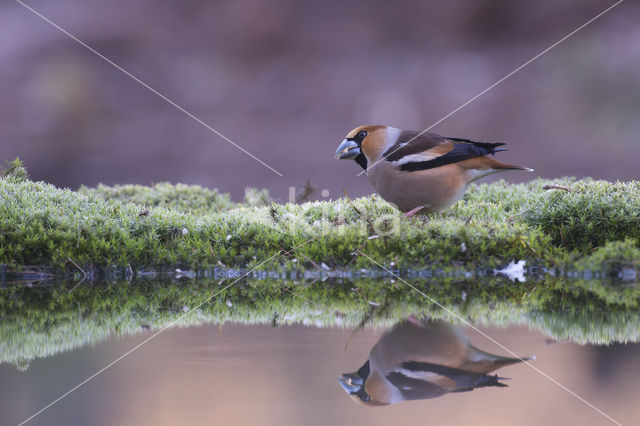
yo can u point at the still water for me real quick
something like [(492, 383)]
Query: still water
[(386, 369)]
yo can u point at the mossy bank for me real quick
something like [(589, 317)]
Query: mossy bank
[(578, 224)]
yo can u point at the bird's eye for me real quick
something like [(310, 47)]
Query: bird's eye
[(361, 135)]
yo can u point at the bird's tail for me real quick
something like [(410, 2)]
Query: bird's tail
[(499, 165), (484, 362), (488, 380)]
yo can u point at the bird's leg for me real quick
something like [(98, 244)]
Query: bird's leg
[(413, 211), (415, 321)]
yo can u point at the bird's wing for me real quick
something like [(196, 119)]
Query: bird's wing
[(412, 388), (411, 143), (464, 380), (414, 151)]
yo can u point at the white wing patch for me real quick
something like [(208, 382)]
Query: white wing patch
[(415, 158), (420, 375)]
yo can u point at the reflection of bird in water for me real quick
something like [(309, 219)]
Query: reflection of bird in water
[(420, 360)]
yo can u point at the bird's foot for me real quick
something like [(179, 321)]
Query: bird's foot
[(413, 211), (415, 321)]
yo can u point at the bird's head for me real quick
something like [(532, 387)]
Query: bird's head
[(354, 385), (362, 144)]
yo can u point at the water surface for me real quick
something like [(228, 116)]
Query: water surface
[(274, 370)]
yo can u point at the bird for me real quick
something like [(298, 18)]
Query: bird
[(421, 360), (420, 171)]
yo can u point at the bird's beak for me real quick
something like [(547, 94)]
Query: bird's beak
[(348, 150), (351, 382)]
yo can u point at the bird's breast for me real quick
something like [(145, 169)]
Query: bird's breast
[(435, 188)]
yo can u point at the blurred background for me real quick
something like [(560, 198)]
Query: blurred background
[(287, 79)]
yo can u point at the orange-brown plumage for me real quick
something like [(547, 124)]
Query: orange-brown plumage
[(413, 170)]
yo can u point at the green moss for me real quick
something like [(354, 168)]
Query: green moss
[(193, 199), (40, 321), (185, 198), (14, 170), (614, 256), (178, 225), (591, 213), (616, 267)]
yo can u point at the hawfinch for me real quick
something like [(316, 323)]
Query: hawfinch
[(421, 360), (419, 171)]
